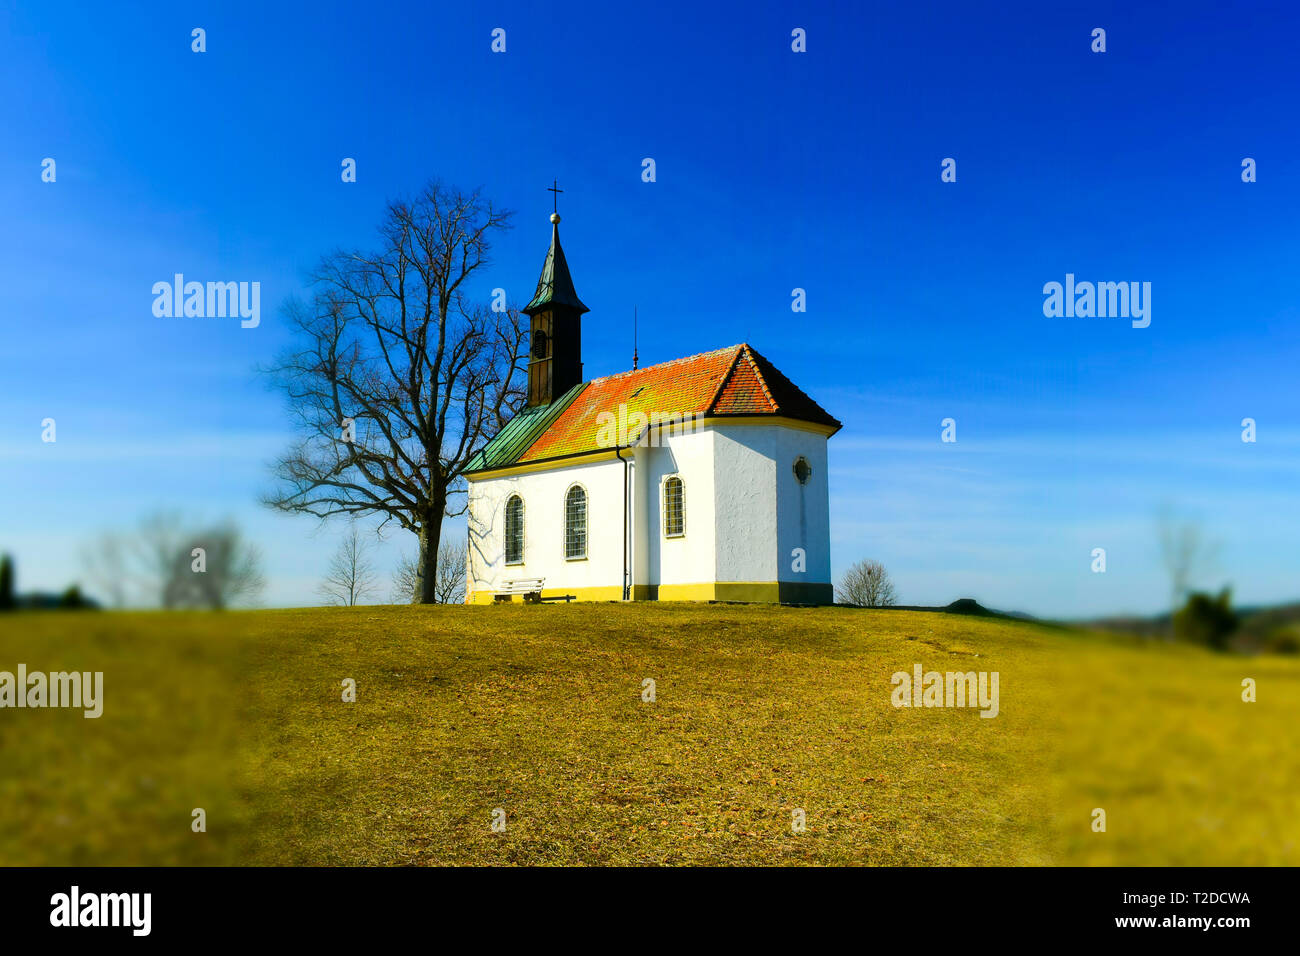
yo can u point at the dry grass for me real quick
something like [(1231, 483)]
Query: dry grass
[(538, 711)]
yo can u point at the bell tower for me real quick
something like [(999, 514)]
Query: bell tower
[(555, 341)]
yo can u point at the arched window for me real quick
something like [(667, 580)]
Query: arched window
[(575, 523), (515, 530), (674, 508)]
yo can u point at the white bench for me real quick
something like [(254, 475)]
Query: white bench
[(530, 588)]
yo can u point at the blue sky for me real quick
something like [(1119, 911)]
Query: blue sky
[(775, 170)]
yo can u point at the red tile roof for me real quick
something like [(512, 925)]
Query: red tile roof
[(726, 382), (744, 392)]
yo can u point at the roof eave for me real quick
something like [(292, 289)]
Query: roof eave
[(776, 418), (514, 465)]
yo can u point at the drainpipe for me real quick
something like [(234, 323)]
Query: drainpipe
[(618, 453)]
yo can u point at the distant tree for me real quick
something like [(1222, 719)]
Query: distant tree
[(228, 571), (351, 574), (866, 584), (449, 584), (155, 564), (399, 376), (73, 599), (156, 555), (404, 581), (1207, 620), (7, 600), (449, 587), (1185, 552), (105, 561), (137, 566)]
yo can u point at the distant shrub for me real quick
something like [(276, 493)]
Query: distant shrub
[(73, 599), (1286, 641), (867, 584), (1207, 620), (6, 582)]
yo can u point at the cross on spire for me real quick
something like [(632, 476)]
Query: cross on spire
[(554, 188)]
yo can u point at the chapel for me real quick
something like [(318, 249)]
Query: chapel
[(699, 479)]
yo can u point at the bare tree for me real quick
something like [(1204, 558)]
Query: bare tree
[(401, 378), (866, 584), (156, 552), (449, 584), (1185, 553), (165, 563), (351, 574), (105, 561), (405, 581), (214, 568), (138, 566)]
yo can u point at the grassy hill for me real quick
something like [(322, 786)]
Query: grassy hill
[(538, 711)]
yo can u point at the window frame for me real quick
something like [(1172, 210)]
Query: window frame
[(586, 523), (663, 504), (514, 496)]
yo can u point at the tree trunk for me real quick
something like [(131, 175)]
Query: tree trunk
[(426, 570)]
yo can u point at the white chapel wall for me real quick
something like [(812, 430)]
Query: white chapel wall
[(803, 511), (745, 512), (744, 471), (763, 511), (543, 495), (687, 559)]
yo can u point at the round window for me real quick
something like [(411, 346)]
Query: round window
[(802, 470)]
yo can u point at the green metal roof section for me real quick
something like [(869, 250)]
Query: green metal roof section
[(555, 286), (521, 431)]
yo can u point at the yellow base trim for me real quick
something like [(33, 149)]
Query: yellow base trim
[(763, 592), (579, 594), (753, 592)]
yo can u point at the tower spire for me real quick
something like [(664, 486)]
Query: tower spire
[(555, 284), (555, 352)]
